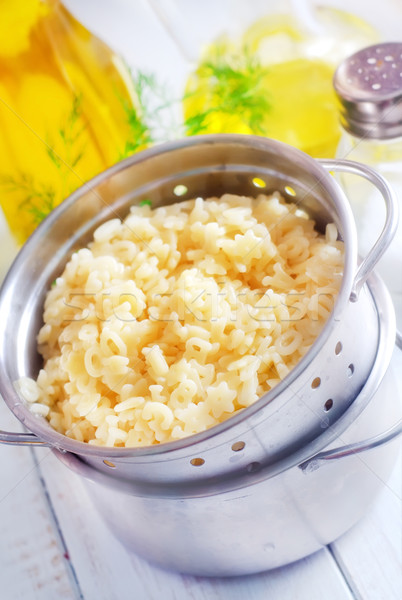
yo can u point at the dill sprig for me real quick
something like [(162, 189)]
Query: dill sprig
[(154, 118), (65, 149), (140, 135), (39, 200), (235, 86), (69, 134)]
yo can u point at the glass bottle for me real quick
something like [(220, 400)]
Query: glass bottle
[(67, 109), (266, 68), (369, 88)]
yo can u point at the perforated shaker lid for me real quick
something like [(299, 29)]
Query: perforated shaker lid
[(369, 87)]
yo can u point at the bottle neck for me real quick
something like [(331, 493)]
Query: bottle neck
[(356, 139), (378, 131)]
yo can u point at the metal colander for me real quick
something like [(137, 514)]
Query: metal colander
[(313, 395)]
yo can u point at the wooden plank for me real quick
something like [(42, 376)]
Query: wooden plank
[(370, 555), (106, 571), (32, 562), (313, 578), (32, 557)]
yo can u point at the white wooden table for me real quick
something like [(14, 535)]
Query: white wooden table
[(53, 544)]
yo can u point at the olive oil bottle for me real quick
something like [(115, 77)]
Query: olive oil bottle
[(67, 109)]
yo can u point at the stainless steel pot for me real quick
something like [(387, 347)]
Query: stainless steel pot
[(272, 515), (313, 396), (246, 495)]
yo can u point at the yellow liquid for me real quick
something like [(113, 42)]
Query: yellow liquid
[(64, 105), (270, 83)]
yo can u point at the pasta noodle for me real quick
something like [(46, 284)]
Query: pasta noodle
[(174, 319)]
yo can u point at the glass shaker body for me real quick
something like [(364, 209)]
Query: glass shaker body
[(385, 156), (369, 89)]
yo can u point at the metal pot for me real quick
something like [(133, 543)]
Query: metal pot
[(246, 495), (295, 412), (270, 515)]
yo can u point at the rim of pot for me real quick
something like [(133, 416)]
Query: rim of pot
[(42, 428)]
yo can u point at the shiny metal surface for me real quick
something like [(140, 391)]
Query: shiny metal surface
[(273, 516), (369, 88), (294, 412), (355, 448), (21, 439), (391, 216), (278, 520)]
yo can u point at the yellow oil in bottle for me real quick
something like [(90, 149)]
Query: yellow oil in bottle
[(276, 81), (65, 109)]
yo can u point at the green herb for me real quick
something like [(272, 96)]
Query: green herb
[(137, 116), (38, 199), (153, 119), (235, 84), (65, 151), (69, 135), (140, 136), (54, 283), (145, 202)]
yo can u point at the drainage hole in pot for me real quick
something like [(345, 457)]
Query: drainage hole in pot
[(290, 191), (109, 464), (351, 370), (253, 467), (180, 190), (338, 348), (197, 462), (328, 405), (260, 183), (316, 383), (237, 446)]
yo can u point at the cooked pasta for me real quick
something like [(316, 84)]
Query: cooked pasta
[(176, 318)]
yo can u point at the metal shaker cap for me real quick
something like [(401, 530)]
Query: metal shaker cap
[(369, 87)]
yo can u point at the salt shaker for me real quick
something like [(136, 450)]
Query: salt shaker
[(369, 89)]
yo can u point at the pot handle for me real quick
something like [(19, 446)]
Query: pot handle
[(317, 461), (391, 220), (22, 439)]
